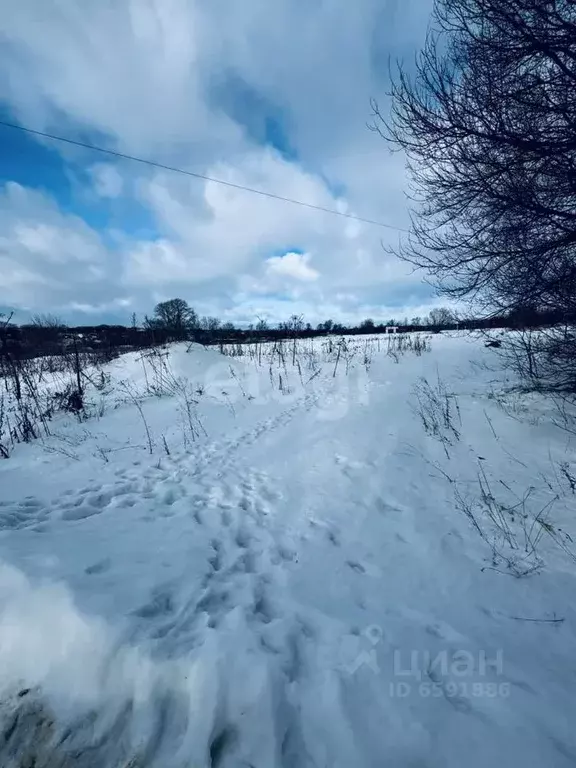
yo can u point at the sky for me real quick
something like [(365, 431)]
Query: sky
[(270, 94)]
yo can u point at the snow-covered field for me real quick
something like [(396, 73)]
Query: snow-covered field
[(324, 556)]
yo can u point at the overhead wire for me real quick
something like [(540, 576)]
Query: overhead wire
[(196, 175)]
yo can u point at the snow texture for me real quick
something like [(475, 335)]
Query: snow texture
[(269, 563)]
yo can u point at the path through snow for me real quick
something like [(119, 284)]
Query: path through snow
[(277, 596)]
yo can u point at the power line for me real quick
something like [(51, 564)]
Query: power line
[(202, 176)]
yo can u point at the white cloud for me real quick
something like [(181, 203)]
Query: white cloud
[(107, 181), (133, 70), (216, 232), (147, 77), (47, 257), (293, 265)]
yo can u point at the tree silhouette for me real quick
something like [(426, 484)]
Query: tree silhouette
[(176, 317), (488, 124)]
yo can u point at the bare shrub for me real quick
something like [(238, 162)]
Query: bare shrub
[(513, 527), (438, 411), (544, 358), (4, 429), (399, 344), (133, 397), (160, 378), (187, 406)]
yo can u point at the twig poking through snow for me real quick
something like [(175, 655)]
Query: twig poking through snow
[(540, 621)]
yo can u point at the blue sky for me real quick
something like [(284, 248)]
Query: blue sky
[(273, 96)]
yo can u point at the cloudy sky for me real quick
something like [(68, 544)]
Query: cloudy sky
[(271, 94)]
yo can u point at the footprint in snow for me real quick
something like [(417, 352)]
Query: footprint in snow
[(245, 563), (444, 631), (80, 513), (270, 494), (215, 560), (126, 502), (386, 508), (333, 538), (226, 517), (30, 503), (262, 607), (284, 553), (99, 500), (100, 567), (242, 538), (161, 604)]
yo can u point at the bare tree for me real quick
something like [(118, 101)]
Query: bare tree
[(175, 316), (442, 316), (47, 321), (210, 323), (326, 326), (296, 323), (488, 124)]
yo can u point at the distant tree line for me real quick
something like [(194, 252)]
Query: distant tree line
[(175, 320)]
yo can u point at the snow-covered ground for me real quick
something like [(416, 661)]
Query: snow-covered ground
[(306, 557)]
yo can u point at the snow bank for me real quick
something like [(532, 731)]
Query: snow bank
[(107, 702)]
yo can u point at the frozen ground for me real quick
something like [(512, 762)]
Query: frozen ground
[(270, 562)]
